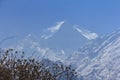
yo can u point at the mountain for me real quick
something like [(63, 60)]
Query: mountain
[(66, 37), (95, 58), (33, 49), (56, 43), (101, 61)]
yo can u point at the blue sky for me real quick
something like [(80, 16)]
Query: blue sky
[(21, 17)]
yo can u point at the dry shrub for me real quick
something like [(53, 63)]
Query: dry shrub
[(13, 67)]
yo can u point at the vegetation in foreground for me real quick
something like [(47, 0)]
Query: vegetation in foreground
[(13, 66)]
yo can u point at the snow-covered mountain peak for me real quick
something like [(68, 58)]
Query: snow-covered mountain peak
[(51, 31), (66, 37)]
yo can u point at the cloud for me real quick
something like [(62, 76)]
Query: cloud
[(87, 34), (52, 30)]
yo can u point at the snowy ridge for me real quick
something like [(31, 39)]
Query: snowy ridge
[(106, 65), (87, 34), (33, 48), (52, 30)]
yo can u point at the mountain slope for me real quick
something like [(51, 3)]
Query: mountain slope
[(105, 65)]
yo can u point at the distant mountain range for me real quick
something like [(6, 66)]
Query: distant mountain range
[(97, 59), (59, 40)]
